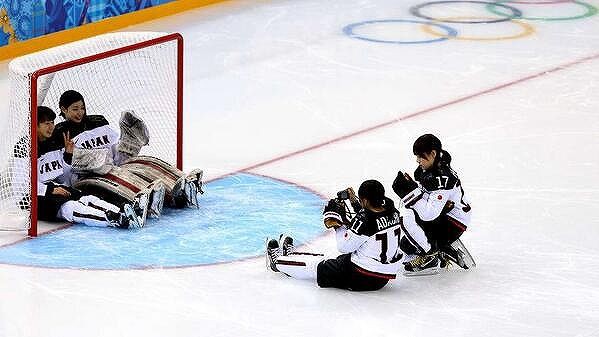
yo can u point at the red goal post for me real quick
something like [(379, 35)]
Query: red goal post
[(139, 71)]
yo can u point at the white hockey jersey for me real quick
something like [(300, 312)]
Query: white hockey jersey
[(439, 190), (373, 241), (93, 132), (52, 167)]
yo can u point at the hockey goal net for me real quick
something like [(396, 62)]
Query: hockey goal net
[(139, 71)]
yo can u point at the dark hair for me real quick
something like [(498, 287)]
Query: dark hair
[(373, 191), (69, 97), (426, 143), (45, 114)]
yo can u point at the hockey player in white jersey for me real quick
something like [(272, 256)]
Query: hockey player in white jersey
[(57, 200), (92, 135), (437, 202), (369, 243)]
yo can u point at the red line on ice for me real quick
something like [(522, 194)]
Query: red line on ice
[(416, 113)]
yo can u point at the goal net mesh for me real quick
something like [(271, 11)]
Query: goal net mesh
[(114, 72)]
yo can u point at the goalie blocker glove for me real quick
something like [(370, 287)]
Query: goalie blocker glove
[(406, 188)]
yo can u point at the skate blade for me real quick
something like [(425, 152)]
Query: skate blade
[(266, 258), (426, 272)]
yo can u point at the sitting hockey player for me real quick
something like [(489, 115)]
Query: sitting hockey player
[(100, 152), (438, 205), (56, 200), (369, 243)]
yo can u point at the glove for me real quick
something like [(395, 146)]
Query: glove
[(334, 214), (403, 184)]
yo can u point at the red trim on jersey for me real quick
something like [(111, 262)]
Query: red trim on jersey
[(305, 253), (120, 181), (457, 224), (290, 263), (374, 274)]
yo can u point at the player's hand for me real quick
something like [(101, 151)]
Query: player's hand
[(63, 192), (403, 184), (69, 146), (332, 223)]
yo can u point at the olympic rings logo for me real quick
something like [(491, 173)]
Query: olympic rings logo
[(504, 11)]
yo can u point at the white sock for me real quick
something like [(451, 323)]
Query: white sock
[(299, 265)]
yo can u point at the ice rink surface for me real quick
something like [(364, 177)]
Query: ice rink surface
[(276, 88)]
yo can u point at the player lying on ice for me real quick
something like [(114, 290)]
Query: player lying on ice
[(436, 202), (369, 242), (108, 164), (57, 200)]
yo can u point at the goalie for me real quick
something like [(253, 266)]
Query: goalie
[(109, 165), (57, 200)]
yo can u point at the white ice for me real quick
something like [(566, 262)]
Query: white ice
[(268, 79)]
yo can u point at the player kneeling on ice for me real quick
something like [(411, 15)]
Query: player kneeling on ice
[(109, 164), (436, 202), (57, 200), (369, 242)]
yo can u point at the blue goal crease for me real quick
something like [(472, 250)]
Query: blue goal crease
[(236, 214)]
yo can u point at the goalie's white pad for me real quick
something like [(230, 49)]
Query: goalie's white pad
[(181, 190), (134, 134), (116, 186), (98, 161)]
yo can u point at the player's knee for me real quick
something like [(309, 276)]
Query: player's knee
[(87, 199), (67, 209)]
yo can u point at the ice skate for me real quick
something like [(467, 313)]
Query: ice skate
[(457, 253), (272, 254), (286, 244), (423, 265), (193, 186), (137, 212), (156, 202), (118, 220)]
